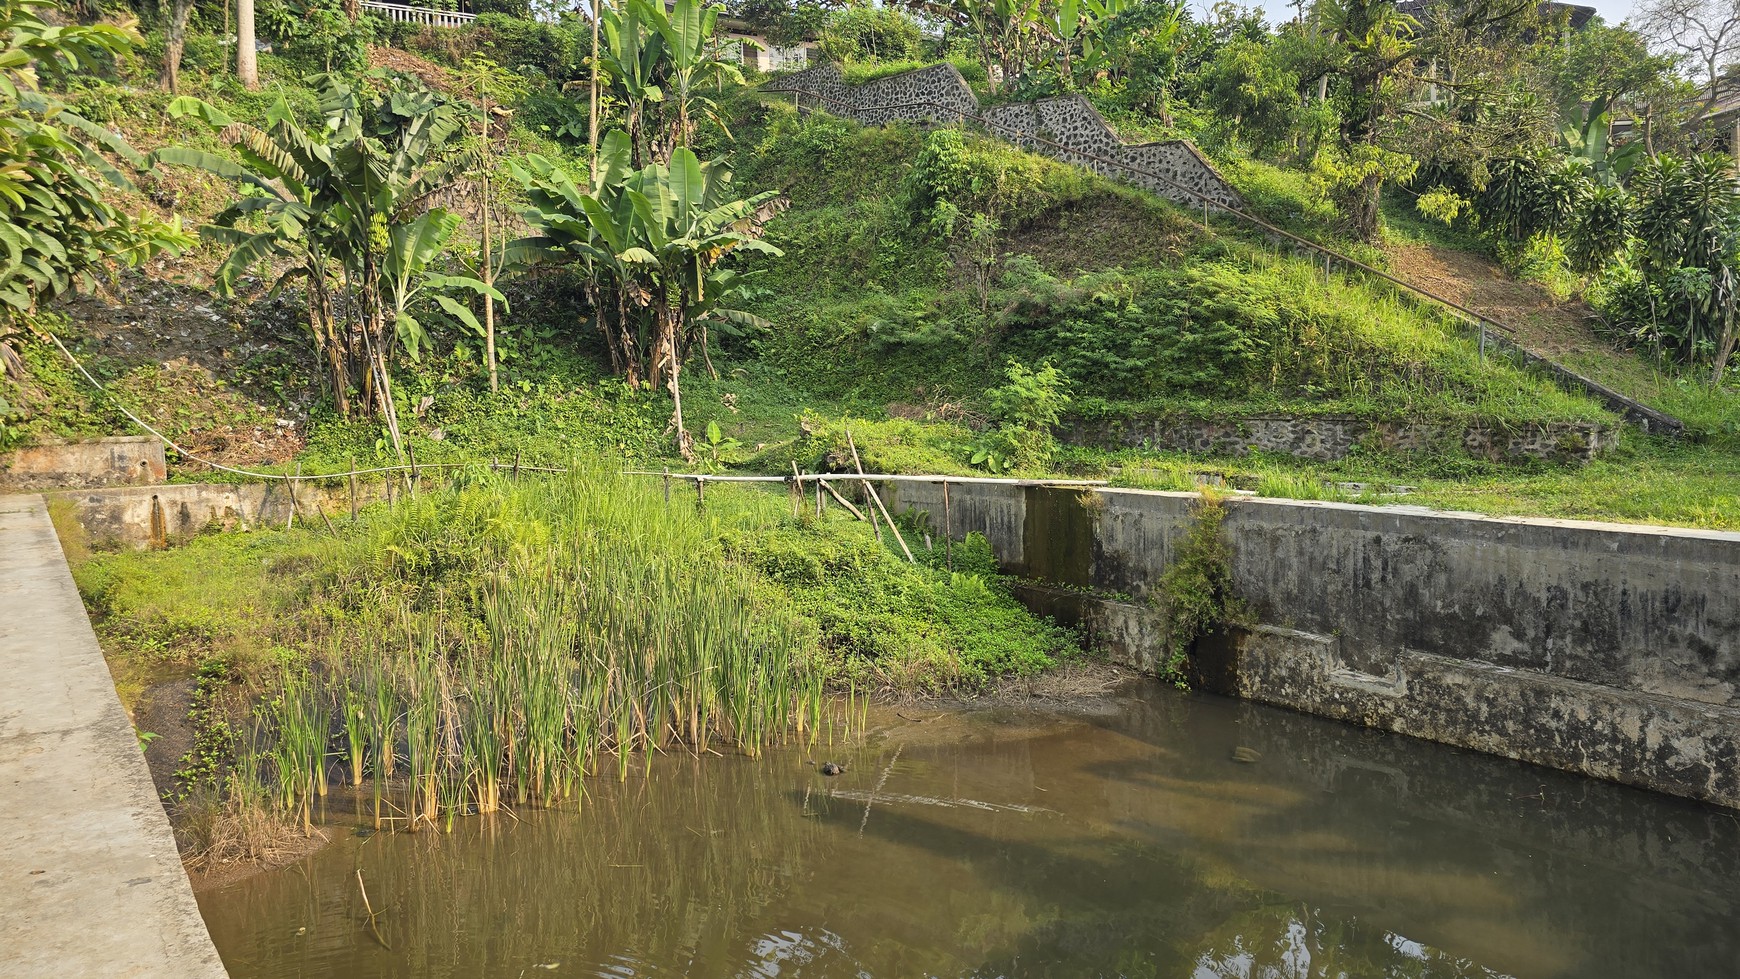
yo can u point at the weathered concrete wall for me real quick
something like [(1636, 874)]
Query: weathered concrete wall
[(124, 461), (1330, 437), (939, 94), (1606, 649), (152, 516)]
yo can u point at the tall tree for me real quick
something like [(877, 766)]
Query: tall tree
[(1376, 42), (247, 63), (1704, 33), (174, 42)]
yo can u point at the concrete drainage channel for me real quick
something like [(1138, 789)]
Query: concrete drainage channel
[(1609, 650), (93, 882)]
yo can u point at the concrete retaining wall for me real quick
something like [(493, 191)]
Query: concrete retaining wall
[(1605, 649), (124, 461), (154, 516)]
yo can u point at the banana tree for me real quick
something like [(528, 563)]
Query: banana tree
[(633, 53), (693, 59), (346, 211), (1586, 131), (651, 243)]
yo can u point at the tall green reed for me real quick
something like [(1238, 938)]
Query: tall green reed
[(512, 636)]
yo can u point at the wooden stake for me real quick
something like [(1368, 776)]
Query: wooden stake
[(878, 500), (353, 489), (290, 484), (824, 484), (700, 493), (797, 491), (667, 486)]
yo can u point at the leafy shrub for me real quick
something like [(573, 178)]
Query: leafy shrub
[(317, 35), (521, 9), (871, 34), (1027, 408), (556, 51), (982, 176), (1205, 330)]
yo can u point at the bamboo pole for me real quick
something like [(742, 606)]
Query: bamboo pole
[(824, 484), (290, 485), (878, 500)]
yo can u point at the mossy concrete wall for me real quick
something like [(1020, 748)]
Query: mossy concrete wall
[(154, 516), (121, 461), (1607, 649)]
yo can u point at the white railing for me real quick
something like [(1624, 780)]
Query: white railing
[(419, 15)]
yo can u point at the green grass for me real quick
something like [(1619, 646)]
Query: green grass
[(1646, 480)]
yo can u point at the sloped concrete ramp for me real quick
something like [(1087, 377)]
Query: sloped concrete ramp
[(90, 881)]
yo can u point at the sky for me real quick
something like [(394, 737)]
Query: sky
[(1612, 11)]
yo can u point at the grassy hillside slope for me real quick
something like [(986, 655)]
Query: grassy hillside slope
[(890, 316)]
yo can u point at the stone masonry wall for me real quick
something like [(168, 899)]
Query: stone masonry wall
[(939, 94), (1605, 649)]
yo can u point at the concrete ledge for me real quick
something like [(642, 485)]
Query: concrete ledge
[(154, 516), (123, 461), (93, 884), (1666, 744)]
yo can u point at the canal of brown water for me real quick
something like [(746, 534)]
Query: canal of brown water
[(1157, 833)]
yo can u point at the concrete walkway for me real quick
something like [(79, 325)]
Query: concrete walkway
[(90, 881)]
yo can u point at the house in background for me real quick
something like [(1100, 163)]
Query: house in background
[(745, 44)]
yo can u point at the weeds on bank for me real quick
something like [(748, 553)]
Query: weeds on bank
[(1194, 594)]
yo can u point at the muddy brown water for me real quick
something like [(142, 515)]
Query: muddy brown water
[(1160, 834)]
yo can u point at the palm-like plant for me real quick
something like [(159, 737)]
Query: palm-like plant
[(346, 211), (1688, 229), (652, 243), (694, 60)]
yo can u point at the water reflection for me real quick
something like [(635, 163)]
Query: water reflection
[(1024, 844)]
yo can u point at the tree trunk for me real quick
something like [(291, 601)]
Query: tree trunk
[(247, 65), (1724, 350), (1362, 208), (174, 44)]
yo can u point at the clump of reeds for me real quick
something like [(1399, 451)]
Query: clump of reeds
[(511, 637)]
